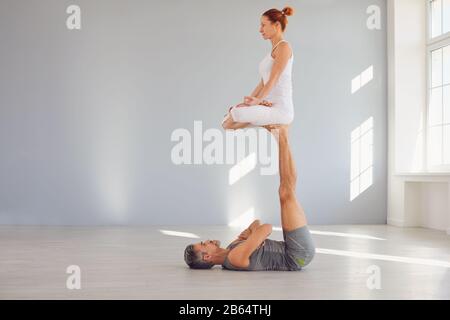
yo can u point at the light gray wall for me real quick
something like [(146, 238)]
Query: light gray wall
[(86, 116)]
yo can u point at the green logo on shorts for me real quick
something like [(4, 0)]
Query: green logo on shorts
[(301, 261)]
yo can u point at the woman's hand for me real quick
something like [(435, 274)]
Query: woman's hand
[(252, 101)]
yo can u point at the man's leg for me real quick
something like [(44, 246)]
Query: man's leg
[(292, 213), (299, 243)]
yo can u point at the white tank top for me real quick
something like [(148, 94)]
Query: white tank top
[(281, 93)]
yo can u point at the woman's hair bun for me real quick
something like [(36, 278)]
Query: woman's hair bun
[(288, 11)]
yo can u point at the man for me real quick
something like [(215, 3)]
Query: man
[(252, 250)]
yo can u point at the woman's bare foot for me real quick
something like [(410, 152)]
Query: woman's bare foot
[(225, 118), (280, 127), (266, 103), (263, 103)]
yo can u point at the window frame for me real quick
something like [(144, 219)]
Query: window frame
[(432, 44)]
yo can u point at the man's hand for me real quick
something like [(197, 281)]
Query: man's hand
[(245, 234), (240, 256)]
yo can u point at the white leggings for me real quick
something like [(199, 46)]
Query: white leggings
[(261, 115)]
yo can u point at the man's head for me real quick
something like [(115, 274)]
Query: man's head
[(201, 255)]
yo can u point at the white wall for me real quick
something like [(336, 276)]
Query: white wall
[(415, 197), (408, 57), (86, 116), (426, 204)]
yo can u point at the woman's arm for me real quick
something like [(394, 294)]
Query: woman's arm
[(256, 92), (258, 88), (281, 60)]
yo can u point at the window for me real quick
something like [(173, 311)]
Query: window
[(439, 17), (438, 111), (361, 168)]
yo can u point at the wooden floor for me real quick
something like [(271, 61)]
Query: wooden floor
[(147, 263)]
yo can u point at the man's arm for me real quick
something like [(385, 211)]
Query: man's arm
[(240, 256), (248, 231), (251, 228)]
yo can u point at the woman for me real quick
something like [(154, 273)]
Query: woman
[(276, 83)]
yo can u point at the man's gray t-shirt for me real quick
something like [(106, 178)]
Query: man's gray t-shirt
[(271, 256), (295, 252)]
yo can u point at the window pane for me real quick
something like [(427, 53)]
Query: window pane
[(435, 146), (354, 189), (446, 90), (366, 180), (355, 152), (446, 15), (366, 150), (367, 125), (446, 68), (436, 68), (436, 18), (435, 114), (446, 145)]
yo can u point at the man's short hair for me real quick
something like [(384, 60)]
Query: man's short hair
[(194, 259)]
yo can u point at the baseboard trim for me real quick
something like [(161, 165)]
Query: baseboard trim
[(396, 222), (401, 223)]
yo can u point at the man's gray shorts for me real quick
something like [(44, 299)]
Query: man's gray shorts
[(299, 246)]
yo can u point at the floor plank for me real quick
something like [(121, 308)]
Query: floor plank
[(143, 263)]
